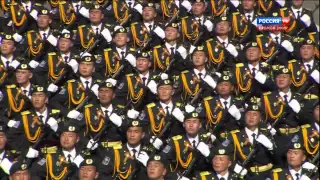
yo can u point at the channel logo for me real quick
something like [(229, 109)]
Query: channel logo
[(272, 23)]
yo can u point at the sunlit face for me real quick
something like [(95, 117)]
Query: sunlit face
[(165, 92), (224, 88), (198, 8), (86, 69), (43, 21), (199, 58), (221, 163), (3, 140), (96, 16), (192, 126), (307, 52), (171, 33), (134, 135), (39, 100), (155, 170), (64, 44), (143, 64), (222, 27), (105, 95), (295, 157), (20, 175), (88, 173), (23, 76), (148, 13), (248, 5), (283, 81), (7, 47), (252, 118), (121, 39), (253, 54), (68, 140)]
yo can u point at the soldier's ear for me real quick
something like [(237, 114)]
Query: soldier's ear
[(206, 59), (50, 21), (143, 134), (30, 75), (46, 100), (178, 35), (96, 175)]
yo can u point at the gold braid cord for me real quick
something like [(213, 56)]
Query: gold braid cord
[(219, 59), (100, 117), (157, 61), (71, 95), (14, 17), (240, 83), (116, 167), (63, 15), (154, 127), (294, 80), (36, 135), (12, 103), (292, 18), (50, 174), (131, 94), (51, 66), (216, 12), (265, 55), (124, 7), (268, 108), (183, 164), (307, 143), (237, 146)]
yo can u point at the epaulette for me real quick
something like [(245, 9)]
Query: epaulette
[(260, 35), (235, 13), (130, 74), (151, 105), (209, 40), (311, 96), (55, 111), (134, 23), (177, 137), (292, 61), (52, 53), (204, 173), (305, 126), (277, 170), (98, 81), (239, 65), (31, 31), (49, 150), (117, 146), (283, 8), (312, 33), (235, 131), (11, 86), (185, 17), (61, 2), (88, 105), (207, 98), (25, 113), (82, 26), (131, 49), (185, 71), (120, 106), (157, 46), (38, 4), (178, 104), (108, 49), (71, 80), (264, 64), (108, 25), (267, 93), (239, 98)]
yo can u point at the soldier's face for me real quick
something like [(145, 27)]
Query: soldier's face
[(43, 21), (192, 126), (64, 44), (248, 4), (39, 99), (96, 16), (134, 135), (297, 3), (20, 175), (171, 33), (198, 8), (143, 64), (148, 13), (283, 81), (224, 88), (68, 140), (120, 39), (155, 170), (105, 95), (221, 163), (252, 118), (23, 76), (222, 27), (253, 54), (199, 58), (295, 157), (3, 140), (307, 52), (7, 47), (88, 173), (86, 69), (316, 113), (165, 93)]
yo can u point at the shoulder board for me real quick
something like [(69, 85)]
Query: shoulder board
[(157, 46), (107, 25), (98, 81), (11, 86), (260, 35), (277, 170), (117, 147), (235, 13), (208, 98), (264, 64), (311, 96), (25, 112), (88, 105), (55, 111), (177, 137), (49, 150), (185, 17), (131, 49), (130, 74), (71, 80), (31, 31), (134, 23), (38, 4), (108, 49), (235, 131), (185, 71), (151, 105), (209, 40), (292, 61), (178, 104), (267, 93), (120, 106), (312, 33), (305, 126), (283, 8), (52, 53), (204, 173), (239, 65)]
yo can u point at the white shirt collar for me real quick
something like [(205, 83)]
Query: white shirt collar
[(201, 19), (295, 11), (293, 173), (203, 72), (2, 155), (146, 76), (46, 31), (63, 55), (310, 62), (170, 46), (27, 4), (273, 36), (109, 109), (95, 27), (121, 50), (132, 3), (249, 134), (226, 41), (4, 59), (26, 88), (317, 127), (83, 80), (251, 15), (44, 114), (149, 23), (191, 139), (73, 154), (136, 148), (251, 66), (224, 176), (76, 3), (223, 100), (288, 94), (163, 105)]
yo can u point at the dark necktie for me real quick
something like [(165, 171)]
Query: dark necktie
[(44, 36), (69, 158), (225, 104), (122, 54), (298, 14), (309, 67), (277, 39), (87, 84), (249, 18), (7, 63), (221, 178), (144, 79), (27, 9), (106, 113), (286, 98), (41, 118), (77, 8), (97, 31), (194, 143), (167, 110), (199, 21), (172, 51), (150, 28), (253, 72), (297, 176), (134, 152), (25, 92), (224, 44), (254, 138), (66, 58), (130, 3), (200, 75)]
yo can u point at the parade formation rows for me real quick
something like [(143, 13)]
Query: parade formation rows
[(158, 90)]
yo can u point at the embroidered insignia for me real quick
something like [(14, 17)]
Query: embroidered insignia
[(121, 85), (42, 161), (62, 91), (142, 116), (226, 142), (166, 149), (106, 160), (1, 96), (199, 109), (295, 139), (42, 63)]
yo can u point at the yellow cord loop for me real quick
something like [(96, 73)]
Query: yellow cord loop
[(100, 117), (294, 81), (155, 128), (14, 17), (157, 61), (109, 69), (134, 96), (183, 164), (54, 3), (307, 143), (51, 65), (263, 7), (209, 113), (50, 174), (34, 49), (265, 55), (123, 174), (211, 54), (268, 108), (235, 25), (90, 42), (186, 87), (165, 9), (12, 103), (237, 146), (36, 135), (136, 40), (71, 95), (63, 16), (124, 7), (239, 81), (291, 18), (215, 12), (194, 25)]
